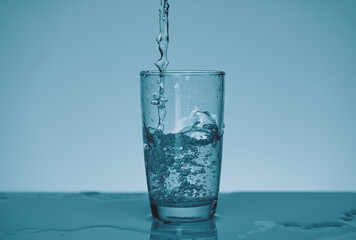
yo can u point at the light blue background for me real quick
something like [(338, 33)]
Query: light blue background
[(69, 90)]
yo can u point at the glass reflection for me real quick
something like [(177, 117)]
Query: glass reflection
[(199, 231)]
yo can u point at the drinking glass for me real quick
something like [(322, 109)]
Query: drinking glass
[(205, 230), (182, 115)]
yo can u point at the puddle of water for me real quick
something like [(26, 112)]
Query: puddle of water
[(103, 197), (3, 197), (94, 215), (322, 226), (349, 218)]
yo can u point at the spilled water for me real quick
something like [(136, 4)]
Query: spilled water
[(3, 197), (312, 226), (93, 215)]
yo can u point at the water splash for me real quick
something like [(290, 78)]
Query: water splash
[(184, 167)]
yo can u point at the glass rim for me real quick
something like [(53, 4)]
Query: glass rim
[(182, 73)]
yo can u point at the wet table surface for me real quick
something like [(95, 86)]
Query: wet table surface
[(92, 215)]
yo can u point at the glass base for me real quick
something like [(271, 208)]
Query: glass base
[(184, 214)]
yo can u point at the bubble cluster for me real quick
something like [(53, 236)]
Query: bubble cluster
[(183, 168)]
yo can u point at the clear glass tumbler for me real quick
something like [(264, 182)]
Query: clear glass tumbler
[(183, 121), (205, 230)]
